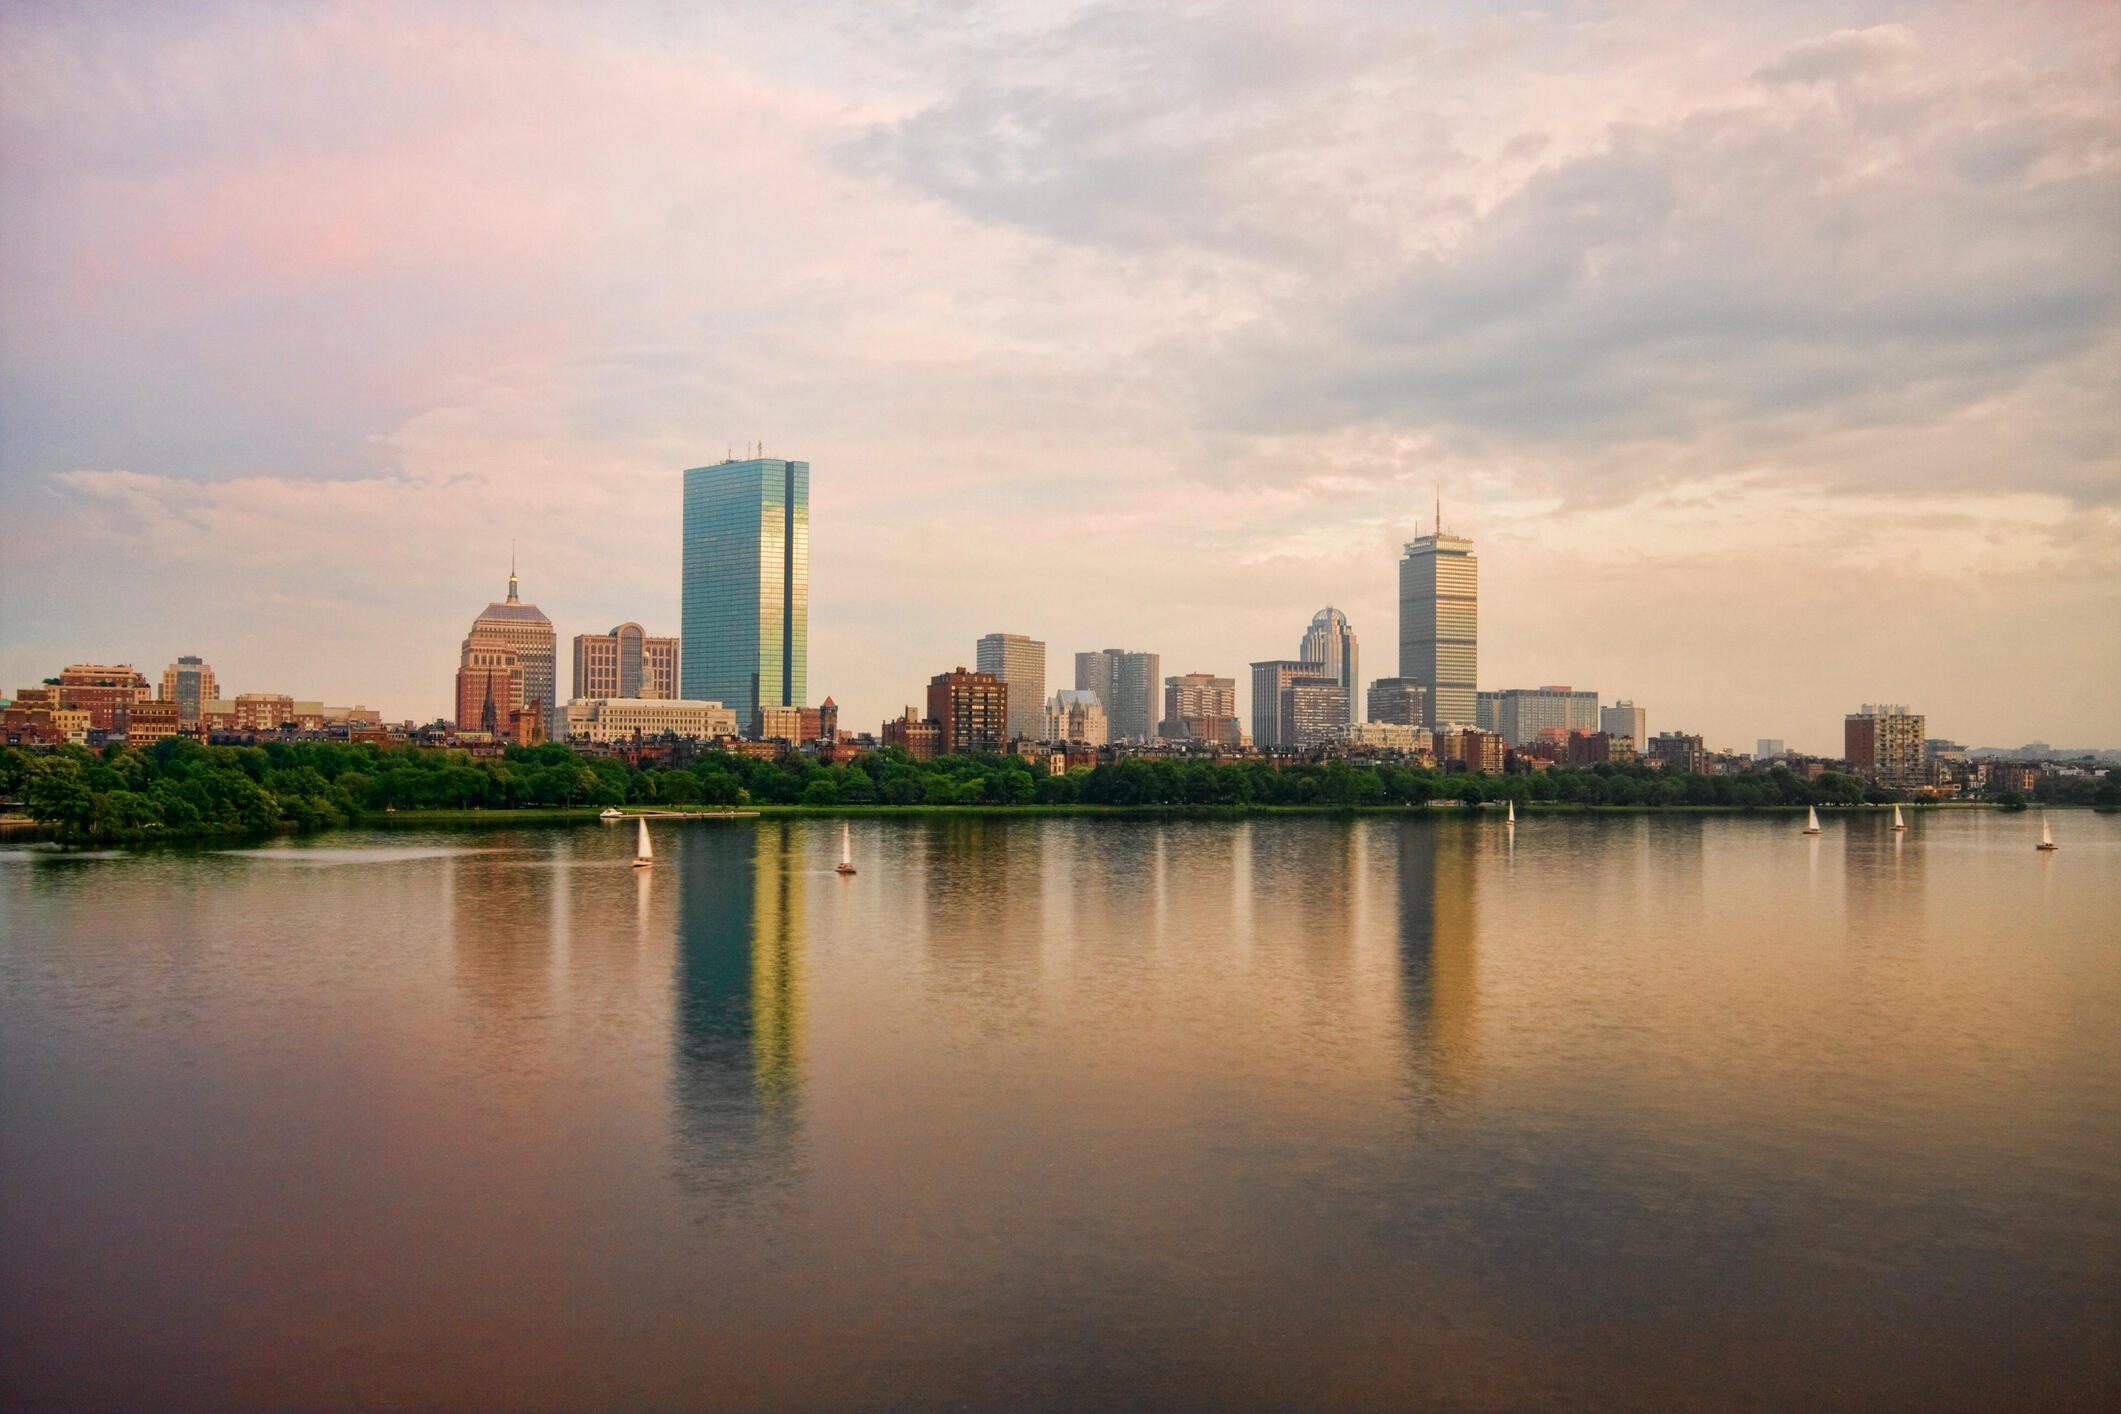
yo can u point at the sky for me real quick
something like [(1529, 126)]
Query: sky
[(1768, 354)]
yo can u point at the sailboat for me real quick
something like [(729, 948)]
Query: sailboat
[(643, 855), (1898, 823), (2047, 840), (1811, 819), (846, 864), (1511, 818)]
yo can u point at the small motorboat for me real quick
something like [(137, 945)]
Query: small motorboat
[(1811, 819), (643, 855), (1898, 823), (610, 813), (846, 864), (2047, 840)]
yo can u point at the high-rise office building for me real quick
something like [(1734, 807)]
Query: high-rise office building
[(1330, 643), (972, 709), (625, 662), (1268, 680), (1126, 684), (1021, 663), (1400, 701), (1884, 742), (1624, 718), (188, 682), (1522, 713), (512, 626), (745, 628), (1439, 624)]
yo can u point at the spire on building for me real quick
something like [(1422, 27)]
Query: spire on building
[(511, 571)]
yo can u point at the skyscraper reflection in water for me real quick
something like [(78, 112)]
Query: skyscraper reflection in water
[(1438, 952), (737, 1077)]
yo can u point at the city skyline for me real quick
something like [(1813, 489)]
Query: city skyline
[(293, 423)]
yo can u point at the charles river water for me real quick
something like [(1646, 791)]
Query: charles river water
[(1387, 1112)]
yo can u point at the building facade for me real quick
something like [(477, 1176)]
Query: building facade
[(1200, 707), (915, 735), (1268, 680), (623, 718), (1884, 742), (188, 682), (626, 662), (1404, 737), (1314, 711), (1768, 748), (1021, 663), (971, 710), (1330, 643), (149, 722), (746, 591), (1522, 713), (1624, 718), (1126, 683), (1398, 701), (105, 691), (1074, 716), (1439, 624), (510, 626), (1676, 751), (489, 687)]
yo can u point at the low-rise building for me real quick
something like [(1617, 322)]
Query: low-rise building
[(149, 722), (609, 719), (917, 737), (1404, 737), (1075, 715), (1677, 751)]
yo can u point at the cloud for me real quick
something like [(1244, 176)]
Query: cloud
[(1844, 55)]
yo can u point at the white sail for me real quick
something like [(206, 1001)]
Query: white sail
[(1513, 812), (1898, 823), (2045, 837), (1811, 820), (642, 851), (846, 845)]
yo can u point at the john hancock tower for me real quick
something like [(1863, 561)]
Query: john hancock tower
[(746, 609)]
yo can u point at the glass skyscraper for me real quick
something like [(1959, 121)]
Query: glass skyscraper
[(745, 625), (1439, 625)]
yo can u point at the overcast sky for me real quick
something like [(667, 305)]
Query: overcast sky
[(1768, 354)]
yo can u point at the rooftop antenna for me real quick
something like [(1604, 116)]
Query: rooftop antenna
[(1439, 508), (511, 569)]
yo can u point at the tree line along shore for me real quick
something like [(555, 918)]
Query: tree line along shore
[(178, 788)]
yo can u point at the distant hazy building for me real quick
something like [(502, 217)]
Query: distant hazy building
[(1439, 623), (1487, 711), (1314, 711), (1073, 715), (188, 682), (1884, 742), (1200, 707), (626, 662), (1937, 748), (1020, 662), (1522, 713), (1399, 701), (1624, 718), (623, 718), (1768, 748), (512, 626), (1330, 643), (971, 709), (745, 625), (1126, 684), (1268, 680)]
